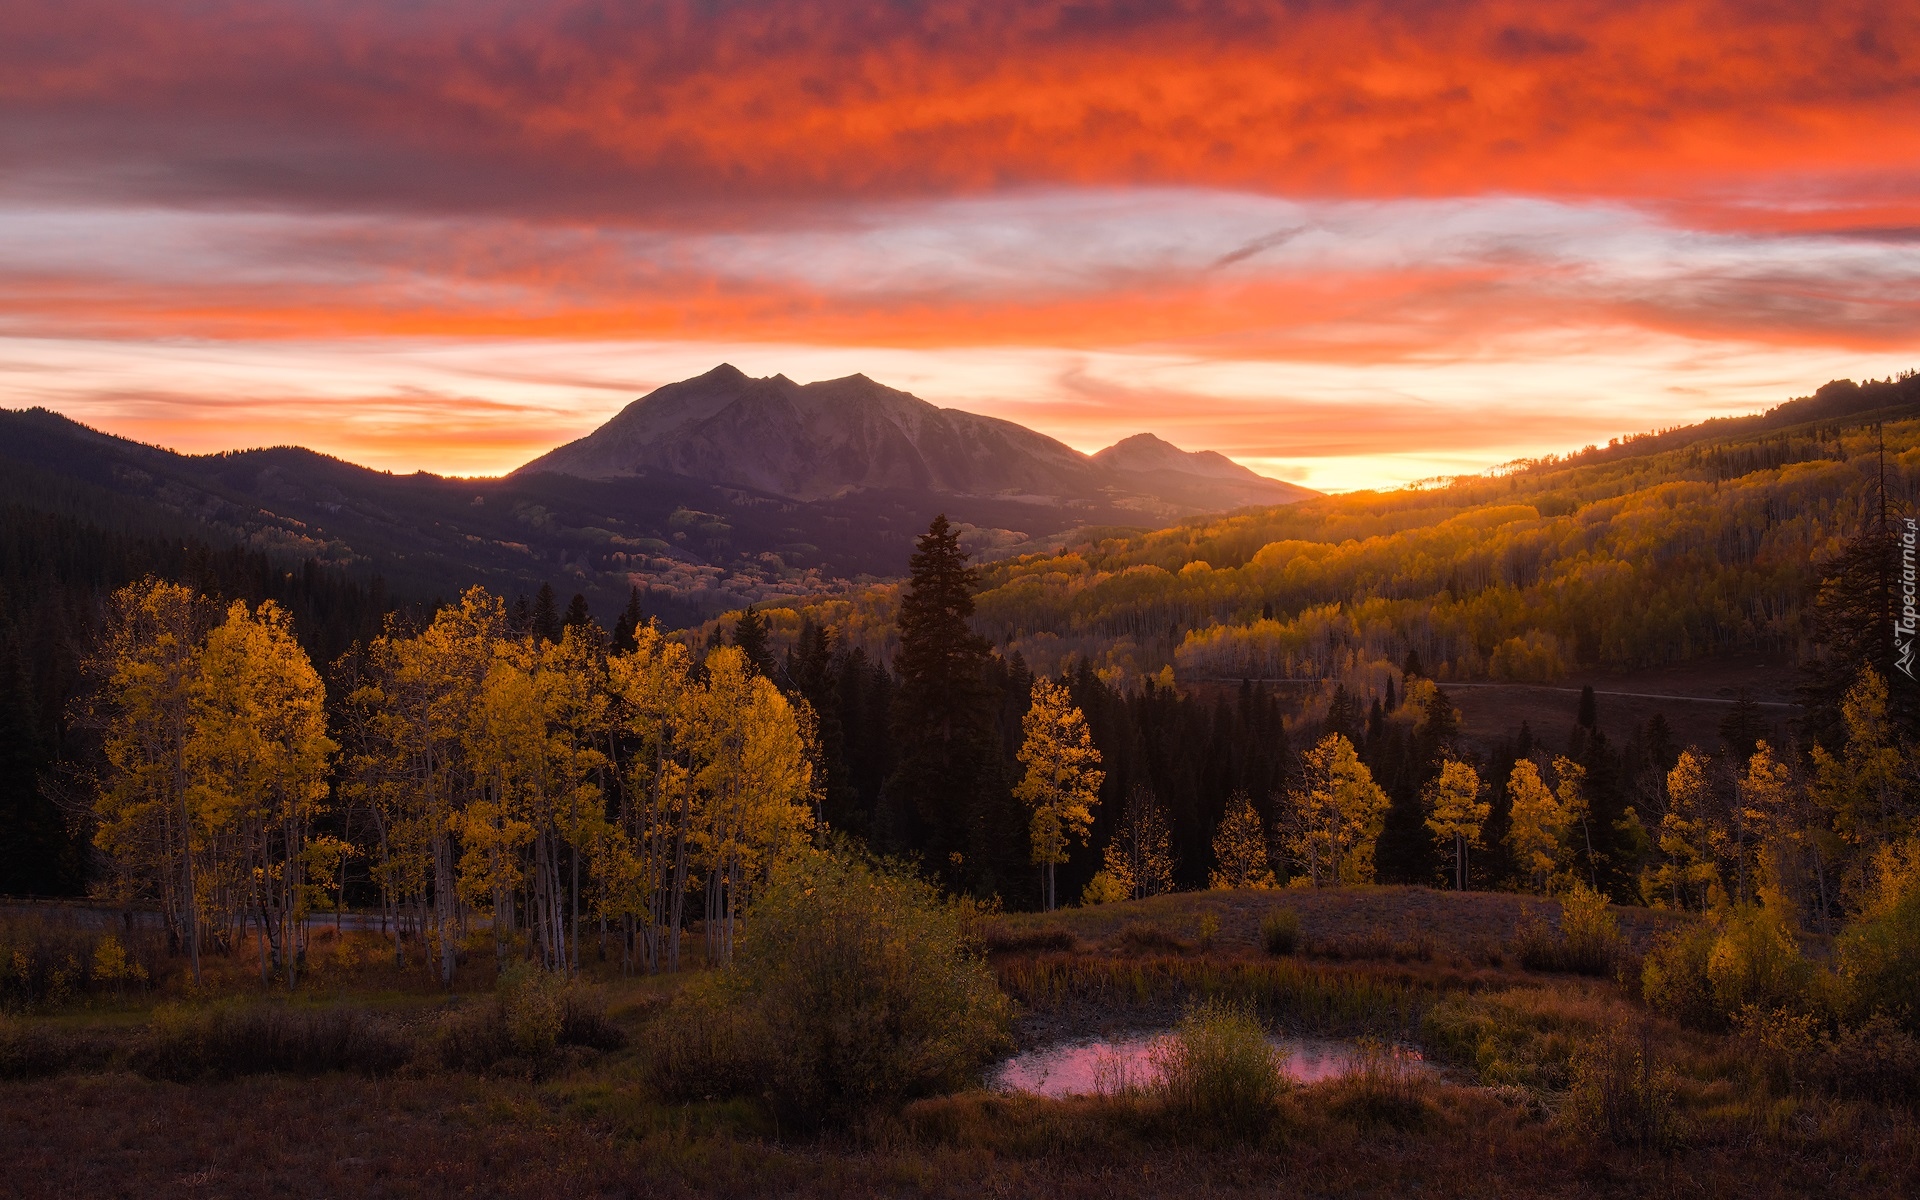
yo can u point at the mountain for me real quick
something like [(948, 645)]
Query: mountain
[(839, 437)]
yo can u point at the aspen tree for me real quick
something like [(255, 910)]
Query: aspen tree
[(259, 755), (1537, 825), (1062, 780), (147, 667), (1240, 848), (1139, 857), (1335, 814), (1689, 836), (1571, 792), (1456, 813)]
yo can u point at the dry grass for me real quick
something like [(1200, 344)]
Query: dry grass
[(1498, 1124)]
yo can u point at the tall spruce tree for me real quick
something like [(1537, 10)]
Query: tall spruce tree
[(750, 634), (546, 615), (943, 718), (629, 623)]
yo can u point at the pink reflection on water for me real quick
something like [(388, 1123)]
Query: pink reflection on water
[(1086, 1068)]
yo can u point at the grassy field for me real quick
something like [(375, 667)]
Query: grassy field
[(1504, 1118)]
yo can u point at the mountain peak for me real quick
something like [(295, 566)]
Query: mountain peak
[(825, 439), (1144, 452)]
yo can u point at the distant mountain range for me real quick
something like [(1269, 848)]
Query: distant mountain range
[(828, 440), (707, 494)]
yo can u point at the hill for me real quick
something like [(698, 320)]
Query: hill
[(1690, 543)]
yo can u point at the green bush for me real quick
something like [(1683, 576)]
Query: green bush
[(1218, 1070), (233, 1039), (852, 988), (1280, 931), (1674, 979)]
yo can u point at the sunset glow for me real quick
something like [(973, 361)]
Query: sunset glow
[(1349, 244)]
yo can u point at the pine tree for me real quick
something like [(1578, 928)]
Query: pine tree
[(1456, 813), (942, 712), (750, 635), (1240, 848), (1062, 780), (579, 615), (1588, 716), (629, 623), (546, 615)]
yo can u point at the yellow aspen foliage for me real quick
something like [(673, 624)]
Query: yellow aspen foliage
[(1139, 857), (1336, 814), (1537, 825), (1063, 776), (1863, 788), (1689, 836), (1240, 848), (1456, 813), (1576, 836)]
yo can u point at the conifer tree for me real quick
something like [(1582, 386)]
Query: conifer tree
[(1240, 848), (1456, 813), (750, 635), (942, 713), (546, 614), (579, 615), (629, 623), (1062, 780)]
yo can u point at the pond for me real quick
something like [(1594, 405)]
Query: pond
[(1085, 1067)]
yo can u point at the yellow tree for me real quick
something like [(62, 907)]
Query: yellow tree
[(1063, 777), (1456, 813), (1538, 822), (1335, 814), (752, 777), (1139, 857), (1240, 848), (647, 854), (1571, 791), (146, 667), (1689, 835), (1863, 787), (259, 756)]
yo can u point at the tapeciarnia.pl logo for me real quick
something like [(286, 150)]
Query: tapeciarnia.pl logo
[(1905, 624)]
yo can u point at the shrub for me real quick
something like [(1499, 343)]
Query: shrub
[(1152, 938), (1280, 931), (1521, 1038), (1587, 942), (1103, 888), (1756, 962), (1876, 1060), (34, 1051), (1590, 932), (1618, 1092), (1383, 1088), (1879, 954), (1000, 940), (229, 1040), (1218, 1070), (1674, 980), (49, 959), (531, 1014), (531, 1006), (853, 988)]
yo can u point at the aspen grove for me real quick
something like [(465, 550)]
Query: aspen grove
[(492, 778)]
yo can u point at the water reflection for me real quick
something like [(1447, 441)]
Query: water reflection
[(1113, 1064)]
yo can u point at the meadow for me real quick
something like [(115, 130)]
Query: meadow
[(373, 1080)]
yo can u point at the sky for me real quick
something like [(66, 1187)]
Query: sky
[(1350, 244)]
